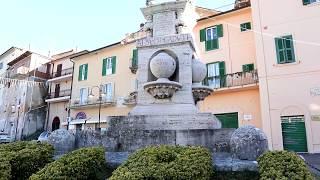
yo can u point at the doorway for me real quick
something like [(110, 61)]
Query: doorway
[(55, 124)]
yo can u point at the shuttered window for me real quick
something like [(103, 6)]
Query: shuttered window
[(215, 75), (109, 66), (294, 133), (211, 37), (285, 49), (83, 72), (247, 67), (134, 58), (245, 26), (306, 2), (228, 120)]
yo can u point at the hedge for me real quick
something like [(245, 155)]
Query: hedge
[(282, 165), (85, 163), (166, 162), (20, 160)]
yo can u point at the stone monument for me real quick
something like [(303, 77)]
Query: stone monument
[(169, 85)]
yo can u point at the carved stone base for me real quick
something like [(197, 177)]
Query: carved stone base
[(201, 92), (162, 89)]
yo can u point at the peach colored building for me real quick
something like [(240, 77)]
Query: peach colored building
[(287, 49), (226, 44)]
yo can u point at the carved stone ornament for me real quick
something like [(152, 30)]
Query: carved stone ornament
[(131, 99), (201, 92), (162, 90)]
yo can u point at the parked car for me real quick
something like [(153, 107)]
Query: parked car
[(5, 138), (44, 136)]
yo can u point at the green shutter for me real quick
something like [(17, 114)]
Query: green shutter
[(285, 49), (80, 73), (229, 120), (220, 30), (245, 26), (288, 41), (247, 67), (114, 64), (306, 2), (212, 44), (205, 81), (294, 134), (203, 36), (86, 72), (134, 58), (222, 73), (104, 67)]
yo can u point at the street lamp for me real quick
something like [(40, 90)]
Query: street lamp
[(101, 93)]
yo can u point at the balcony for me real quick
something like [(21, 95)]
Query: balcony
[(233, 81), (59, 96), (63, 75), (89, 104)]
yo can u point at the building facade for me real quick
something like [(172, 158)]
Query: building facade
[(226, 44), (59, 90), (24, 109), (287, 46)]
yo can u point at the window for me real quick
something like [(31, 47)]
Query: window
[(215, 75), (211, 37), (84, 96), (108, 90), (134, 58), (109, 66), (83, 72), (245, 26), (285, 49), (247, 67), (1, 66), (229, 120), (306, 2)]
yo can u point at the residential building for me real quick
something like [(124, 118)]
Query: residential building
[(225, 42), (59, 92), (23, 111), (287, 50), (7, 57)]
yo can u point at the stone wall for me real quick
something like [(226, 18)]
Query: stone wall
[(123, 136)]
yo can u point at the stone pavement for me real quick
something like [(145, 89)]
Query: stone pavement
[(313, 161)]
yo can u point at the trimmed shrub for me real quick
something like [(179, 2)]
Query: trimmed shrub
[(22, 159), (282, 165), (85, 163), (166, 162)]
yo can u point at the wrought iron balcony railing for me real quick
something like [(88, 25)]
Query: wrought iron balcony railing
[(62, 73), (233, 80), (58, 94)]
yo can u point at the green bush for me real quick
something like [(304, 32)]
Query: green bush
[(22, 159), (85, 163), (166, 162), (282, 165)]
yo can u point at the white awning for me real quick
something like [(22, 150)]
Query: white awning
[(78, 121), (95, 121)]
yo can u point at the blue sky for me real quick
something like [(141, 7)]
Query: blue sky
[(59, 25)]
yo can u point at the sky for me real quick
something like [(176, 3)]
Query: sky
[(59, 25)]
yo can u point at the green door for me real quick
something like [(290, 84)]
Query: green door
[(294, 134), (229, 120)]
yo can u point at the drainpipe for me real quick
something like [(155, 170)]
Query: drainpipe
[(70, 92)]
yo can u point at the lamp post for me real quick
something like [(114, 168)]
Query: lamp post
[(101, 93)]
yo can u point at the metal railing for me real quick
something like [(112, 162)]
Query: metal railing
[(62, 93), (233, 80), (62, 73)]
